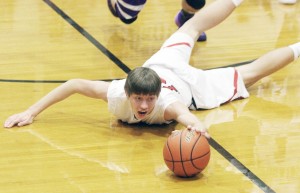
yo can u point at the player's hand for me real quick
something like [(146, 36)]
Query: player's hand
[(20, 119), (203, 131)]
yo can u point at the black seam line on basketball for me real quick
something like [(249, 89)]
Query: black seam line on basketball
[(190, 159), (48, 81), (62, 81), (198, 158), (170, 154), (88, 36), (181, 154), (191, 156), (242, 168)]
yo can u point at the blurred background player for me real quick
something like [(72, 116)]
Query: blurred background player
[(127, 11)]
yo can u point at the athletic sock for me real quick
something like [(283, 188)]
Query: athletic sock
[(296, 50), (187, 15), (237, 2)]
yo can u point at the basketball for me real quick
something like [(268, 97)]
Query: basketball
[(186, 152)]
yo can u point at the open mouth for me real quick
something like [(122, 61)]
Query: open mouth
[(142, 114)]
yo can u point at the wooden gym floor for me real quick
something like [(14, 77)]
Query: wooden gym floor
[(77, 146)]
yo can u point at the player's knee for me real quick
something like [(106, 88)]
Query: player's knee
[(196, 4), (127, 10)]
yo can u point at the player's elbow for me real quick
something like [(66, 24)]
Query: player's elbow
[(73, 85)]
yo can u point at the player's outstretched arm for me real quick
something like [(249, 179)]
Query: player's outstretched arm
[(93, 89), (209, 16), (179, 112)]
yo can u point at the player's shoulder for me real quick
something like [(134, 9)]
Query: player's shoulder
[(116, 88)]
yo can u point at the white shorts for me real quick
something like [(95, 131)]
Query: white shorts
[(209, 88)]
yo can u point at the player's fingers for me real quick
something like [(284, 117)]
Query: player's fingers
[(189, 127), (203, 132), (10, 122), (24, 122), (6, 124)]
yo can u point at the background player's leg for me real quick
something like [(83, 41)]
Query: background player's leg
[(268, 63), (126, 10), (208, 17), (189, 8)]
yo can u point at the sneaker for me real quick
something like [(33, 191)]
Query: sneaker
[(180, 19), (287, 1), (113, 11), (111, 8)]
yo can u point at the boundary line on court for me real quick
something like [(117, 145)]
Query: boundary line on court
[(241, 167), (62, 81), (88, 36)]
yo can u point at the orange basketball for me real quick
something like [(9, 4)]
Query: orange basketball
[(186, 153)]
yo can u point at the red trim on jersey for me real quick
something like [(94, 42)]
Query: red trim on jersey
[(163, 80), (171, 87), (179, 44), (235, 79)]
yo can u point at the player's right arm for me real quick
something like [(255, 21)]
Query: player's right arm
[(179, 112), (93, 89)]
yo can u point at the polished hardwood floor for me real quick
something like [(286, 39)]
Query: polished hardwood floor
[(77, 146)]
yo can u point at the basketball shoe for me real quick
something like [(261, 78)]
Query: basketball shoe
[(182, 17), (127, 11)]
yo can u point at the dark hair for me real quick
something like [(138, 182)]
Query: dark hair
[(142, 80)]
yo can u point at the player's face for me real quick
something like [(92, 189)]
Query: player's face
[(142, 105)]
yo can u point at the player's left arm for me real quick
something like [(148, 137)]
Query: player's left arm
[(93, 89), (179, 112)]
